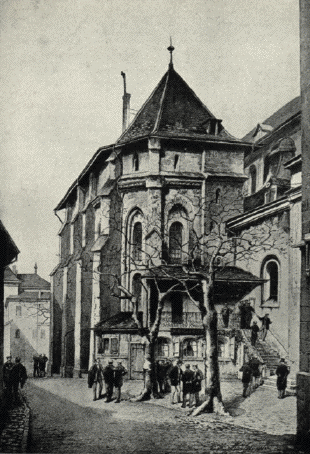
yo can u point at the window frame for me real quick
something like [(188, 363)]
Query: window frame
[(269, 299)]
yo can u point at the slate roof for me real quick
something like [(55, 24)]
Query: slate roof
[(279, 117), (29, 296), (173, 110), (9, 276), (33, 281)]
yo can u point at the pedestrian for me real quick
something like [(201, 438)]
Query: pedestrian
[(246, 378), (282, 372), (175, 376), (7, 367), (254, 333), (255, 363), (119, 373), (18, 377), (44, 360), (108, 375), (95, 379), (266, 322), (198, 377), (160, 376), (187, 379), (225, 315), (36, 367)]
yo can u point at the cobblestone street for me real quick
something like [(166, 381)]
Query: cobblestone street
[(65, 419)]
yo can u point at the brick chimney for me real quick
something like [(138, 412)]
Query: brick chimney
[(126, 105)]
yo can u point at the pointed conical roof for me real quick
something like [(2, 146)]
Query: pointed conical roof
[(173, 110)]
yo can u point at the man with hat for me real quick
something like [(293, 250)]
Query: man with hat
[(175, 376), (7, 367), (119, 373), (254, 333), (108, 375), (95, 379), (282, 373), (187, 379), (18, 376)]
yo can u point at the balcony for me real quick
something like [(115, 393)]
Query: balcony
[(188, 320)]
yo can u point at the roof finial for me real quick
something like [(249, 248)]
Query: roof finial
[(171, 49), (35, 268)]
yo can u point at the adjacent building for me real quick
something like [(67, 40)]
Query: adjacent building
[(27, 299)]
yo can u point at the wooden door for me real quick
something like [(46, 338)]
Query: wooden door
[(136, 361)]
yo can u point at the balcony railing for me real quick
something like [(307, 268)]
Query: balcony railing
[(188, 320)]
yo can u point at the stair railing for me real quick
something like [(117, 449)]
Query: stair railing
[(254, 352)]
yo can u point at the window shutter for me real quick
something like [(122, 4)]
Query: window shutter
[(114, 346)]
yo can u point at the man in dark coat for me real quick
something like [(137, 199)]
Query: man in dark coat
[(254, 333), (43, 361), (161, 375), (119, 373), (255, 363), (36, 366), (108, 375), (18, 376), (95, 379), (198, 377), (225, 315), (282, 372), (187, 379), (7, 367), (175, 376), (266, 322), (246, 378)]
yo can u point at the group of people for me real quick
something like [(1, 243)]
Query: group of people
[(251, 376), (39, 365), (188, 382), (112, 376), (14, 376)]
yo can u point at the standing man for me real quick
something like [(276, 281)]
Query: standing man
[(198, 377), (7, 367), (108, 375), (18, 376), (266, 322), (254, 364), (95, 379), (254, 333), (282, 373), (246, 378), (175, 375), (36, 368), (225, 315), (44, 360), (119, 373), (187, 380)]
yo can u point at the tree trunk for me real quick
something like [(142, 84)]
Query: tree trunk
[(150, 382), (213, 402)]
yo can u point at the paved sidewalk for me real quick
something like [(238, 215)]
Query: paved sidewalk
[(262, 411), (14, 437)]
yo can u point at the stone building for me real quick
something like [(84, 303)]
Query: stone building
[(272, 211), (158, 180), (27, 300), (8, 254)]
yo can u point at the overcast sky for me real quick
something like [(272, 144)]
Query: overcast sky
[(61, 88)]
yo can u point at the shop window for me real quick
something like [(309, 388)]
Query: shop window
[(109, 346), (190, 348), (175, 242)]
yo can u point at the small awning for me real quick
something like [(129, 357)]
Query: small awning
[(122, 322)]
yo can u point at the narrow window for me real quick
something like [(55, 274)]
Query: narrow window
[(163, 347), (272, 273), (175, 242), (18, 311), (135, 162), (114, 346), (176, 308), (217, 195), (17, 334), (176, 161), (106, 346), (137, 241), (253, 174)]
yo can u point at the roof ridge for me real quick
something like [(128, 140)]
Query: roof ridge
[(161, 105)]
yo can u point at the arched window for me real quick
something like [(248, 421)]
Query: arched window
[(253, 174), (271, 285), (135, 162), (175, 242), (162, 347), (137, 241), (189, 348), (17, 334)]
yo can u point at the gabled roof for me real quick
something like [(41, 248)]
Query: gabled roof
[(120, 322), (33, 281), (173, 110), (278, 118), (10, 277)]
